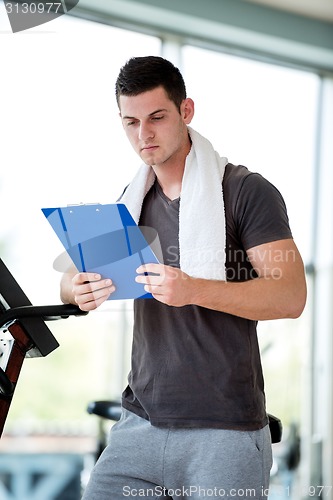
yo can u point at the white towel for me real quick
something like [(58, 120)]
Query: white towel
[(201, 214)]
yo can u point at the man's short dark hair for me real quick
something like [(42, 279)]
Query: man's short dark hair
[(141, 74)]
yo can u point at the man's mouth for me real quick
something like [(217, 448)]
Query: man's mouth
[(149, 148)]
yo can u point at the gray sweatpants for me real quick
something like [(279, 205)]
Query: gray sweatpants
[(142, 461)]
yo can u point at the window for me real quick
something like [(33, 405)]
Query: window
[(264, 117), (62, 142)]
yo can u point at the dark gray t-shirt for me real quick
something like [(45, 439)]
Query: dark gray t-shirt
[(192, 366)]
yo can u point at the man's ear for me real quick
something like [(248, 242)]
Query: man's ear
[(187, 110)]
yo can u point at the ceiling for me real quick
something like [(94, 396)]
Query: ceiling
[(317, 9)]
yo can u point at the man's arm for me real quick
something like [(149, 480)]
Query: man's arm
[(87, 290), (278, 292)]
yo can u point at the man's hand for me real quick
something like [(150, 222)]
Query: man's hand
[(90, 291), (167, 284)]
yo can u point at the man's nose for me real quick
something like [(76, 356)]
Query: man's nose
[(145, 132)]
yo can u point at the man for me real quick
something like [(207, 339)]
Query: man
[(194, 422)]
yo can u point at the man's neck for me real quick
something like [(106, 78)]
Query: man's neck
[(172, 191), (170, 180), (170, 175)]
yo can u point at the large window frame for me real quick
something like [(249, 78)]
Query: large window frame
[(171, 45)]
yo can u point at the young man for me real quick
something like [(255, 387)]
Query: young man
[(194, 422)]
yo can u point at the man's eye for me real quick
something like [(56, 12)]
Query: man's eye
[(156, 118), (130, 123)]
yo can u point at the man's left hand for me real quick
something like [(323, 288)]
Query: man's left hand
[(167, 284)]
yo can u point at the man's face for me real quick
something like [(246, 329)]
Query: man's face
[(155, 127)]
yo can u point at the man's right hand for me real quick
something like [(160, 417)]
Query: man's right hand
[(90, 291), (87, 290)]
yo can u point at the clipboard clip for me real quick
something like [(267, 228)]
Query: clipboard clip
[(82, 203)]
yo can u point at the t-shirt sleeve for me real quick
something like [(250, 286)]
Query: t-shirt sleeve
[(261, 212)]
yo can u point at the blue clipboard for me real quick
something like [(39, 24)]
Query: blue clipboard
[(104, 239)]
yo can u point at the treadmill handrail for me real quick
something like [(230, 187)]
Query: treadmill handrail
[(47, 313)]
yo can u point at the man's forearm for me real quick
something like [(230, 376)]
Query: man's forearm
[(278, 292), (258, 299)]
